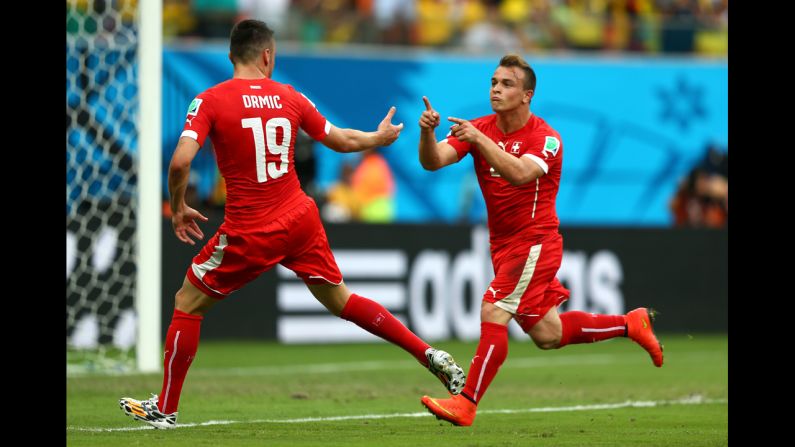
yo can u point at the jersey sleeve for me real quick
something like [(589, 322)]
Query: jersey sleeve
[(544, 149), (312, 121), (199, 119), (461, 147)]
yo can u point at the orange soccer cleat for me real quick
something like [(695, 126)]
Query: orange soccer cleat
[(639, 329), (458, 410)]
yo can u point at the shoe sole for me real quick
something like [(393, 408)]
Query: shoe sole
[(129, 410), (652, 313), (440, 418)]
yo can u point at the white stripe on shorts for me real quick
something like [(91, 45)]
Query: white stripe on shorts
[(211, 264), (511, 302)]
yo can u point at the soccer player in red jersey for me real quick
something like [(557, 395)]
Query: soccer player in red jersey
[(252, 122), (518, 158)]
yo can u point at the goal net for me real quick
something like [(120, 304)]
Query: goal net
[(104, 214)]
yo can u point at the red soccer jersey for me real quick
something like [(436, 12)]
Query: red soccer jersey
[(253, 126), (525, 212)]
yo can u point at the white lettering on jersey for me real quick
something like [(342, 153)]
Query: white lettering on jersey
[(262, 102)]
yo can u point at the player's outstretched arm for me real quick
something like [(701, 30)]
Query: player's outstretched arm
[(183, 217), (352, 140), (433, 155)]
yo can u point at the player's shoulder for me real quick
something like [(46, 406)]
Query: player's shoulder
[(216, 91), (546, 137), (298, 94), (221, 86), (542, 127)]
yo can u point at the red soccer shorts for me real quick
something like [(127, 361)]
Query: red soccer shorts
[(524, 283), (236, 256)]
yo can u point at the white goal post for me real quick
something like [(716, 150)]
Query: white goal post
[(150, 57)]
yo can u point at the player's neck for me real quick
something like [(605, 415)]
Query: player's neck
[(248, 72), (509, 122)]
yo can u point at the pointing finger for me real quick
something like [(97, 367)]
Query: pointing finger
[(427, 103), (390, 114), (455, 120)]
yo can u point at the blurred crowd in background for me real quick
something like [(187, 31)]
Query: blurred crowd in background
[(648, 26), (365, 189), (645, 26)]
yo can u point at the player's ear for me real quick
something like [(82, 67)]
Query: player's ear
[(269, 60), (528, 96), (267, 56)]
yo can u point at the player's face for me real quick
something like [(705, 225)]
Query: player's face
[(507, 89)]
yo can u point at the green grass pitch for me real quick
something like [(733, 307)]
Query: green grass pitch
[(255, 394)]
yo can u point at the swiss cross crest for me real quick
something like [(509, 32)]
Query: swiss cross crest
[(515, 147)]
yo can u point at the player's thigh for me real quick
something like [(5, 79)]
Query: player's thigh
[(523, 277), (232, 258), (192, 300), (309, 254), (332, 296), (547, 332)]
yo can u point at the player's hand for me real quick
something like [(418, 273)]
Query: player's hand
[(185, 226), (429, 118), (464, 130), (389, 131)]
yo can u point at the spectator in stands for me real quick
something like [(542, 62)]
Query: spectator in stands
[(679, 27), (341, 203), (395, 19), (702, 200), (492, 34), (364, 193), (374, 187)]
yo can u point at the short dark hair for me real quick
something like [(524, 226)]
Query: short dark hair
[(248, 39), (514, 60)]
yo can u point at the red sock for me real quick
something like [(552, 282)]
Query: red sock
[(375, 319), (583, 327), (182, 341), (491, 353)]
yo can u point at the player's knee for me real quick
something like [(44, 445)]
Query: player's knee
[(190, 303), (491, 313), (546, 340)]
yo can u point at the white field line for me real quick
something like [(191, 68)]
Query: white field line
[(690, 400)]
